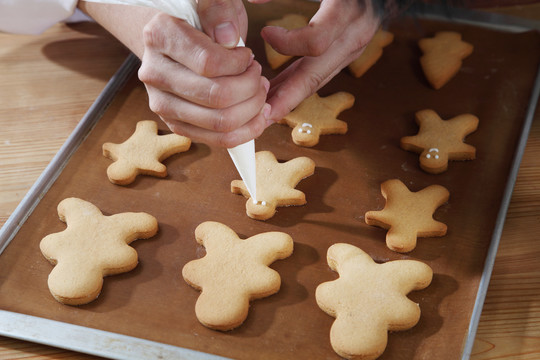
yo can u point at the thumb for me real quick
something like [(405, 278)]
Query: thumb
[(219, 20)]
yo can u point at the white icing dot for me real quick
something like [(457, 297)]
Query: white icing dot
[(309, 131), (436, 156), (428, 156)]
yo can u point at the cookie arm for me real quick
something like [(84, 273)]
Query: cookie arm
[(70, 209)]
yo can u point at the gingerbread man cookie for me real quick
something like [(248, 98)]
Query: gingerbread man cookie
[(233, 272), (317, 116), (276, 184), (369, 299), (408, 215), (92, 246), (289, 22), (142, 153), (443, 56), (372, 53), (439, 141)]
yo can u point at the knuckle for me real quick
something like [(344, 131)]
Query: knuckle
[(216, 96), (203, 62), (317, 46), (158, 106), (222, 123), (152, 34), (312, 83), (145, 74), (226, 140)]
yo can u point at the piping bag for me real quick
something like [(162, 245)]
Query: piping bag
[(243, 155)]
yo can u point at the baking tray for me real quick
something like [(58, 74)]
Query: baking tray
[(149, 312)]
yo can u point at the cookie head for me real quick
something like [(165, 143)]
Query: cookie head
[(261, 209), (433, 158)]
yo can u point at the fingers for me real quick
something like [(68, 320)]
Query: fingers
[(217, 92), (331, 20), (250, 130), (309, 73), (170, 106), (200, 88), (185, 45), (223, 20)]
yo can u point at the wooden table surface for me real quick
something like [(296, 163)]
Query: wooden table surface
[(49, 81)]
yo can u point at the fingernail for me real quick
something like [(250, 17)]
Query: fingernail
[(266, 84), (226, 35), (267, 108)]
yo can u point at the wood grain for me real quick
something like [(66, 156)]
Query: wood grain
[(48, 83)]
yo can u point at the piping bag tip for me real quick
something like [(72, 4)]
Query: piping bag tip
[(243, 157)]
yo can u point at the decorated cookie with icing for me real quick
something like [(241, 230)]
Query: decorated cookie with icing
[(439, 141), (316, 116), (142, 153), (233, 272), (408, 215), (276, 184), (289, 22), (443, 56), (371, 53), (92, 246)]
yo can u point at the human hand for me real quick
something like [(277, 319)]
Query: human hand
[(200, 84), (336, 35)]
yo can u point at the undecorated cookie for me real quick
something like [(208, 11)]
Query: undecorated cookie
[(443, 56), (142, 153), (372, 53), (233, 272), (368, 300), (91, 247), (408, 215), (276, 184)]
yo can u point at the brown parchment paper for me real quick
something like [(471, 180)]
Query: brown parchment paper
[(153, 302)]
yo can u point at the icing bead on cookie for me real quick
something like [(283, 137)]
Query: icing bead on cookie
[(142, 153), (233, 272), (92, 246), (317, 116), (276, 184), (368, 300), (408, 215), (439, 141)]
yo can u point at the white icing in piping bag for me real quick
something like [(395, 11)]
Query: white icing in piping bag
[(243, 155)]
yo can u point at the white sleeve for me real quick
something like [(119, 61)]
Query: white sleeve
[(33, 16)]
